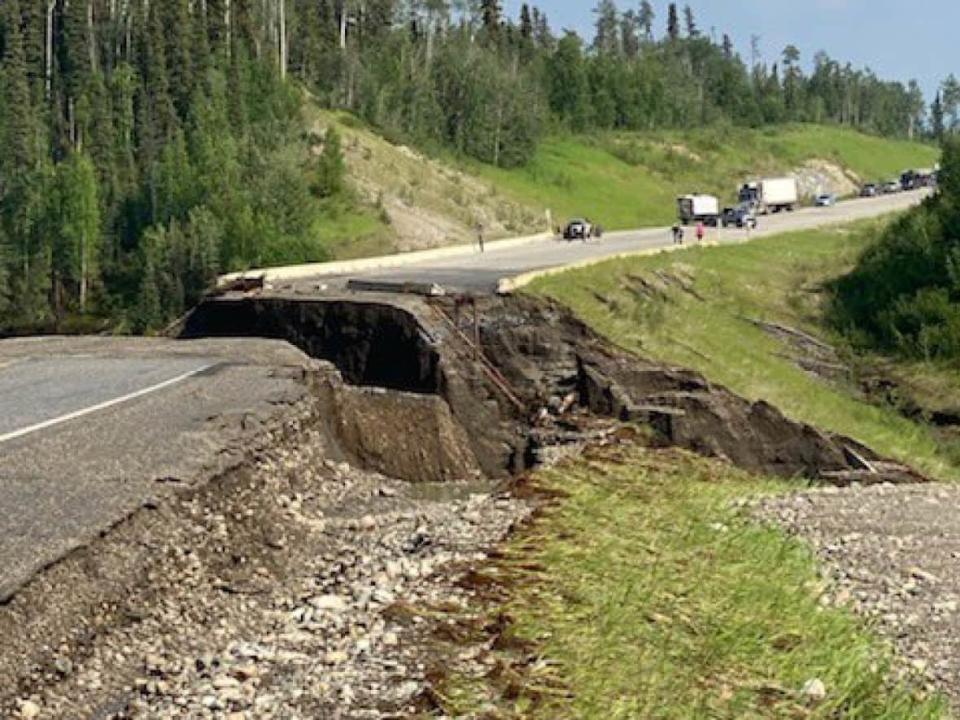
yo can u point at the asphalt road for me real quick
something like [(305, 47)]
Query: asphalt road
[(44, 392), (93, 428), (481, 273)]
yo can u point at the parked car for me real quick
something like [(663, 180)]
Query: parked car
[(891, 187), (869, 190), (826, 200), (741, 216), (581, 229)]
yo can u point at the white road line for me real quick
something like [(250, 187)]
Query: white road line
[(100, 406)]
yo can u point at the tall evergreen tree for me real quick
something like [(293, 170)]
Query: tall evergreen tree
[(673, 23), (526, 22), (645, 20), (607, 38), (491, 16), (937, 127), (690, 22)]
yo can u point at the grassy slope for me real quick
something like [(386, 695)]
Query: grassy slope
[(645, 592), (404, 200), (632, 180), (774, 280)]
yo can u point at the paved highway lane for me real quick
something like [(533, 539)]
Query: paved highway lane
[(40, 393), (93, 428), (481, 272)]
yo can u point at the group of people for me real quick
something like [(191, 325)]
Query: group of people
[(677, 230)]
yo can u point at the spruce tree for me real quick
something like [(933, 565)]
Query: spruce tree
[(645, 19), (673, 23), (691, 23), (179, 36), (526, 22), (491, 16), (331, 169), (20, 151), (936, 118)]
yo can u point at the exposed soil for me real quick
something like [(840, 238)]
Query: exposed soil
[(822, 176), (295, 587), (532, 356)]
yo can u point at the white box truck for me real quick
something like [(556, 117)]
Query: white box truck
[(698, 208), (771, 195)]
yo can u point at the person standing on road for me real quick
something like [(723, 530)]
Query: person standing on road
[(480, 236), (677, 234), (701, 231)]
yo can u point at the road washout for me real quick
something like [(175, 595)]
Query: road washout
[(284, 584)]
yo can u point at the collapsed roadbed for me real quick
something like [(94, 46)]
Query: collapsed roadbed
[(312, 540), (513, 375)]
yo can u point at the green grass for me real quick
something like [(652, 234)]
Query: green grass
[(628, 180), (354, 232), (710, 330), (644, 592), (870, 157)]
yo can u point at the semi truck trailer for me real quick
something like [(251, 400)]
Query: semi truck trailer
[(771, 195), (698, 208)]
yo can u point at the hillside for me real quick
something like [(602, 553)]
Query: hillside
[(626, 180), (414, 201), (752, 317), (623, 180)]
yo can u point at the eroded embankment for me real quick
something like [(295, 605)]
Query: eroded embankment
[(422, 391), (512, 376)]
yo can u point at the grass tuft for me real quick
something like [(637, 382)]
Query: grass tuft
[(656, 596)]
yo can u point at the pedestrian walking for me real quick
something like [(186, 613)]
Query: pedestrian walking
[(480, 236), (701, 231), (677, 234)]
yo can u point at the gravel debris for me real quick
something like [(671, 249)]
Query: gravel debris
[(891, 554), (312, 601)]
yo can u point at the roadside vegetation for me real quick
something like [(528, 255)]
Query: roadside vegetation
[(739, 315), (644, 589), (903, 296)]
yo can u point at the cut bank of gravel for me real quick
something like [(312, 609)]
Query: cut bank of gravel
[(892, 554), (296, 587)]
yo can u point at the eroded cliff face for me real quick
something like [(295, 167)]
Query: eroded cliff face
[(447, 388)]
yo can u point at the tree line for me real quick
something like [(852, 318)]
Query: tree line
[(154, 144), (904, 294)]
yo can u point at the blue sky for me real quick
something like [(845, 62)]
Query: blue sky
[(897, 39)]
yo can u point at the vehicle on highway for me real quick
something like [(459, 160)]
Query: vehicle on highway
[(869, 190), (771, 195), (891, 187), (826, 200), (741, 216), (693, 209), (581, 229), (910, 180)]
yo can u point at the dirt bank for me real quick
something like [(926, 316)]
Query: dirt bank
[(513, 372)]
